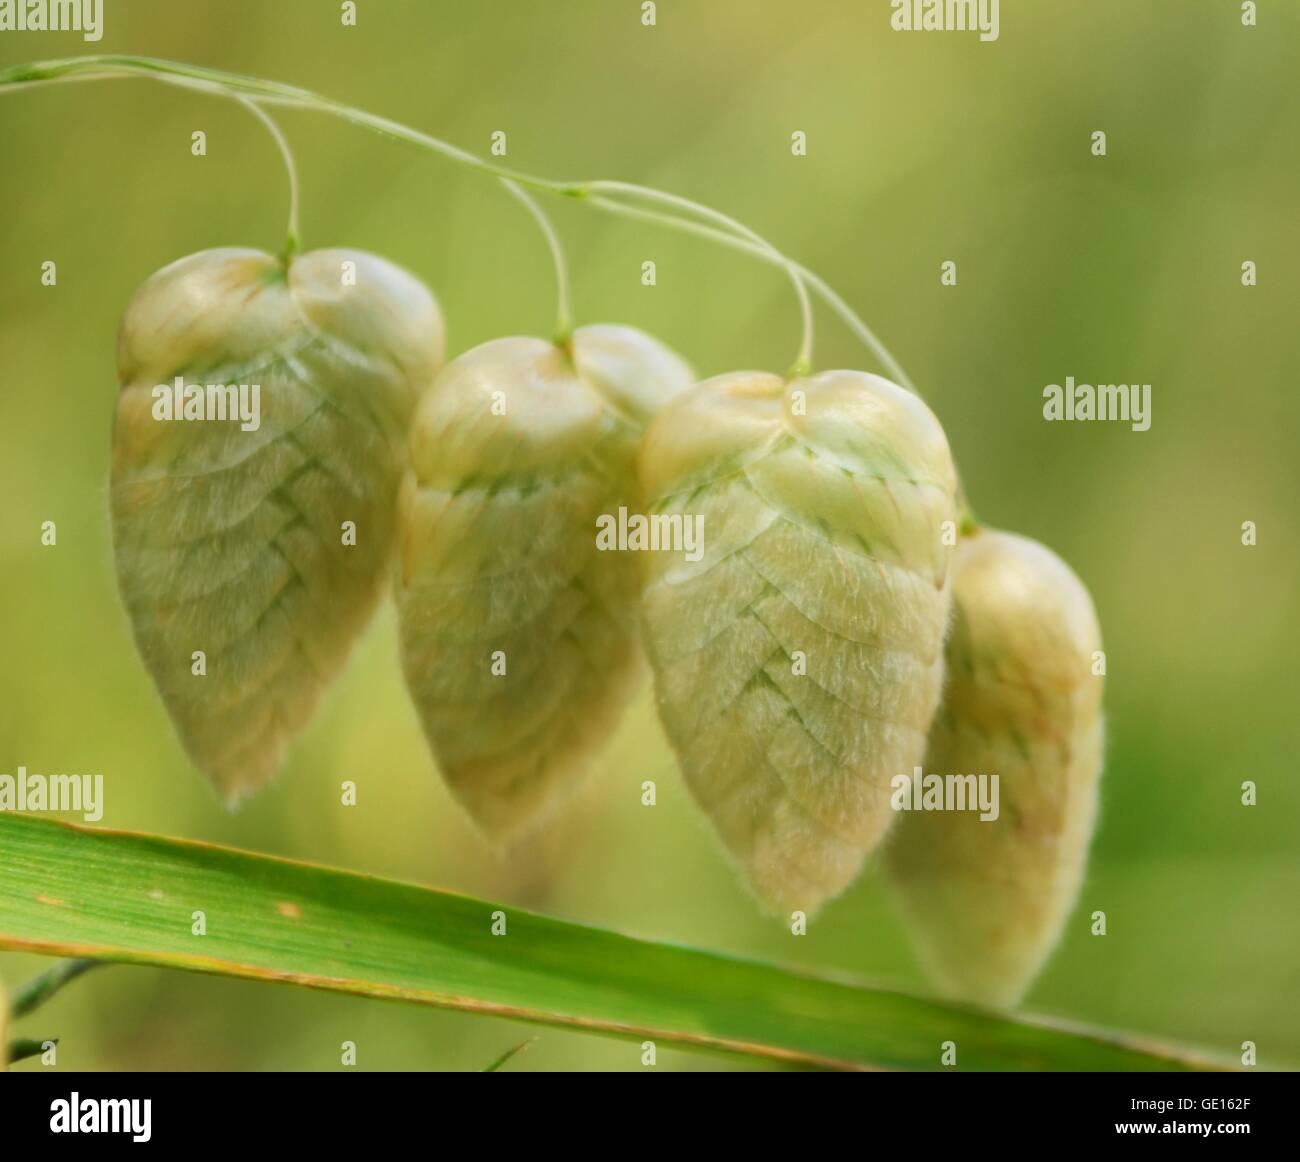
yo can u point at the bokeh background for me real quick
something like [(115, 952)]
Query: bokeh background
[(921, 148)]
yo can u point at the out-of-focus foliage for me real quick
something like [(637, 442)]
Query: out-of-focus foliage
[(921, 148)]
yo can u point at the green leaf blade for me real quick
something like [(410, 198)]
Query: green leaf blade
[(89, 892)]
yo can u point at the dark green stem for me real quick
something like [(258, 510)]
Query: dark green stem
[(39, 989)]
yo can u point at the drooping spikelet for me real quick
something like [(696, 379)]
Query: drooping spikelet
[(986, 900), (519, 635), (798, 662), (251, 549)]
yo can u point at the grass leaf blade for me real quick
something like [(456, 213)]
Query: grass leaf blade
[(110, 895)]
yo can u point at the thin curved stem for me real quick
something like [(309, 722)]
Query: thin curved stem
[(267, 92), (803, 361), (293, 241), (736, 242), (865, 334), (968, 522), (255, 92), (38, 990), (735, 234), (563, 310)]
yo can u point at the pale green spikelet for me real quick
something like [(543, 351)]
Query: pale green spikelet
[(230, 543), (798, 663), (986, 900), (519, 636)]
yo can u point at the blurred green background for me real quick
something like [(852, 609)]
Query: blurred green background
[(921, 148)]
